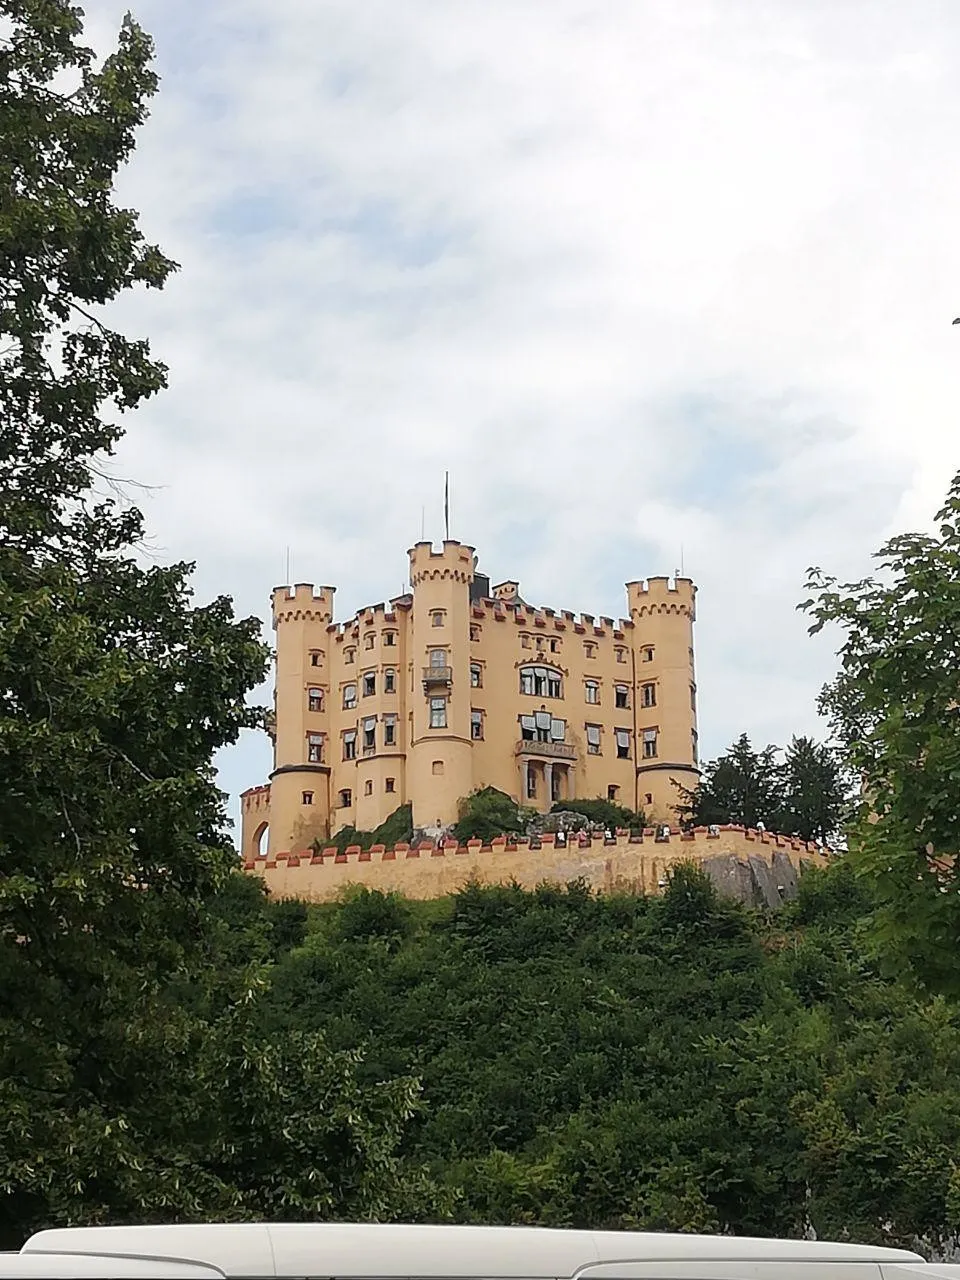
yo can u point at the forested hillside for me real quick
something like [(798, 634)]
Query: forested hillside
[(678, 1062)]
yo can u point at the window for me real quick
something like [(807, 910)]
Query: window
[(648, 695), (314, 699), (531, 783), (369, 684), (623, 743), (368, 640), (476, 725), (589, 649), (349, 655), (693, 697), (389, 731), (438, 713), (369, 735), (389, 680), (306, 797), (649, 743), (591, 692), (555, 785), (621, 697), (542, 727), (346, 798), (390, 784), (558, 730), (524, 640), (316, 657), (390, 639), (540, 643), (695, 746), (437, 768), (613, 793), (648, 798), (349, 696), (438, 658), (436, 618), (541, 682), (621, 654), (647, 653), (350, 745), (476, 676), (593, 739), (315, 748), (474, 633), (554, 645), (368, 787)]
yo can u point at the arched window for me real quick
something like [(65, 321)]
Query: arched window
[(541, 682)]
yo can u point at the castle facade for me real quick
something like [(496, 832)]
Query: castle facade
[(456, 686)]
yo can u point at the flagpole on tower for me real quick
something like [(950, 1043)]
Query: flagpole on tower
[(446, 503)]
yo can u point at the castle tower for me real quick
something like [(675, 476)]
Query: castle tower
[(440, 767), (300, 781), (665, 692)]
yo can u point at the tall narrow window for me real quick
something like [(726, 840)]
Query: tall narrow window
[(369, 684), (389, 680), (438, 713), (316, 658), (589, 649), (648, 695), (476, 725), (649, 743), (390, 639), (346, 798), (623, 744), (350, 745), (389, 731), (621, 654), (646, 654), (368, 640), (314, 699), (476, 676), (369, 735), (621, 697), (531, 783), (315, 748), (591, 691), (474, 633), (349, 696), (436, 618), (349, 655), (593, 739)]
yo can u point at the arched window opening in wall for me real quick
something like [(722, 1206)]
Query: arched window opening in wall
[(541, 682), (260, 837)]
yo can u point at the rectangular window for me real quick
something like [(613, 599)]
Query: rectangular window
[(314, 699), (438, 658), (368, 640), (524, 640), (315, 748), (476, 676), (555, 785), (476, 725), (589, 649), (693, 697), (369, 684), (528, 728), (389, 785), (649, 743), (647, 653), (350, 745), (349, 696), (368, 787), (593, 739), (613, 793), (623, 744), (306, 797), (591, 692), (621, 655), (436, 618), (474, 634), (438, 713), (558, 730), (369, 735), (621, 697), (349, 655), (554, 645), (648, 695), (531, 783), (389, 680), (315, 658), (346, 798), (389, 731), (390, 639), (695, 746)]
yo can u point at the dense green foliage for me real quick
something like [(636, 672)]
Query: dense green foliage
[(895, 710), (806, 793), (488, 813), (627, 1062), (397, 827), (602, 813)]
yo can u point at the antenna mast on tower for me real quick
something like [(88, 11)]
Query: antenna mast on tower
[(446, 505)]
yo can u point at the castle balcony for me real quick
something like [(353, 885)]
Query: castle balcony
[(437, 677), (546, 750)]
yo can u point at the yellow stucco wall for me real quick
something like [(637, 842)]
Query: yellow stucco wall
[(625, 865), (334, 679)]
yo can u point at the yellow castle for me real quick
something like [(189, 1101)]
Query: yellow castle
[(456, 686)]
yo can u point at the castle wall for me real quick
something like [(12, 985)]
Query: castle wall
[(749, 865)]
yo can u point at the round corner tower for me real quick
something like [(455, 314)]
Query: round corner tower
[(663, 612), (440, 762), (300, 781)]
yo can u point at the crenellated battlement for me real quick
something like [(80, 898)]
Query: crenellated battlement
[(662, 595), (302, 602), (733, 856), (453, 563)]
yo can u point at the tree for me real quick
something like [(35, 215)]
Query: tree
[(488, 813), (895, 712), (814, 794), (744, 786)]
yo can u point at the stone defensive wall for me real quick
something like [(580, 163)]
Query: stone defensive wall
[(755, 867)]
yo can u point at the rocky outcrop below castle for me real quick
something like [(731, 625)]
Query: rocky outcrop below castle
[(755, 867)]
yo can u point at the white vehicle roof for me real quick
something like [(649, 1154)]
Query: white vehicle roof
[(250, 1250), (37, 1266)]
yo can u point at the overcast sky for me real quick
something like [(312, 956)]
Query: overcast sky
[(645, 276)]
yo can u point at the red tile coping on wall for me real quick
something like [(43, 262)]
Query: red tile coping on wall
[(379, 852)]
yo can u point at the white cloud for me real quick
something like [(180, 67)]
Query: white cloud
[(639, 273)]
